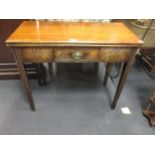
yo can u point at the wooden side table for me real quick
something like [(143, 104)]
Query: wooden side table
[(74, 42)]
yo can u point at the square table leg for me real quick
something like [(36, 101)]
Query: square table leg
[(24, 78), (124, 74)]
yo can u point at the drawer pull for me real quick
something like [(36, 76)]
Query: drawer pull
[(77, 55)]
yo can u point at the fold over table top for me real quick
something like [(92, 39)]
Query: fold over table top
[(44, 33)]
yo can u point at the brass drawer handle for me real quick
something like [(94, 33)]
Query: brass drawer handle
[(77, 55)]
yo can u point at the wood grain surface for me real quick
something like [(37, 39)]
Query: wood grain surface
[(71, 33)]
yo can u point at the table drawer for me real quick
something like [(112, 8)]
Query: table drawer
[(114, 54), (37, 54), (76, 54)]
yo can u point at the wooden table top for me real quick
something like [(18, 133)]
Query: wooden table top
[(72, 33)]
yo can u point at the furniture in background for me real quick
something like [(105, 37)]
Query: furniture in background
[(8, 66), (145, 29), (74, 42), (150, 114)]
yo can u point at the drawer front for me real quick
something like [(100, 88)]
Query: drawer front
[(76, 54), (114, 54), (37, 54)]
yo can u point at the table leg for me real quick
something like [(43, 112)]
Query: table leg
[(50, 69), (24, 78), (108, 68), (41, 74), (123, 77)]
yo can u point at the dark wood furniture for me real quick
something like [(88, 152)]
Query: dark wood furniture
[(145, 29), (74, 42), (8, 67), (150, 114)]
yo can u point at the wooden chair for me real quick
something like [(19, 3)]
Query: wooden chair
[(150, 114)]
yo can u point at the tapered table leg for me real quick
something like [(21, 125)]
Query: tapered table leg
[(123, 77), (108, 68), (24, 78)]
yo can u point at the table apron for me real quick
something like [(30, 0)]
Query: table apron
[(75, 54)]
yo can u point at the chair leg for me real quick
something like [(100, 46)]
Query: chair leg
[(41, 74), (50, 66)]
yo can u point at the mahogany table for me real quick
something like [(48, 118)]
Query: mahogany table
[(74, 42)]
